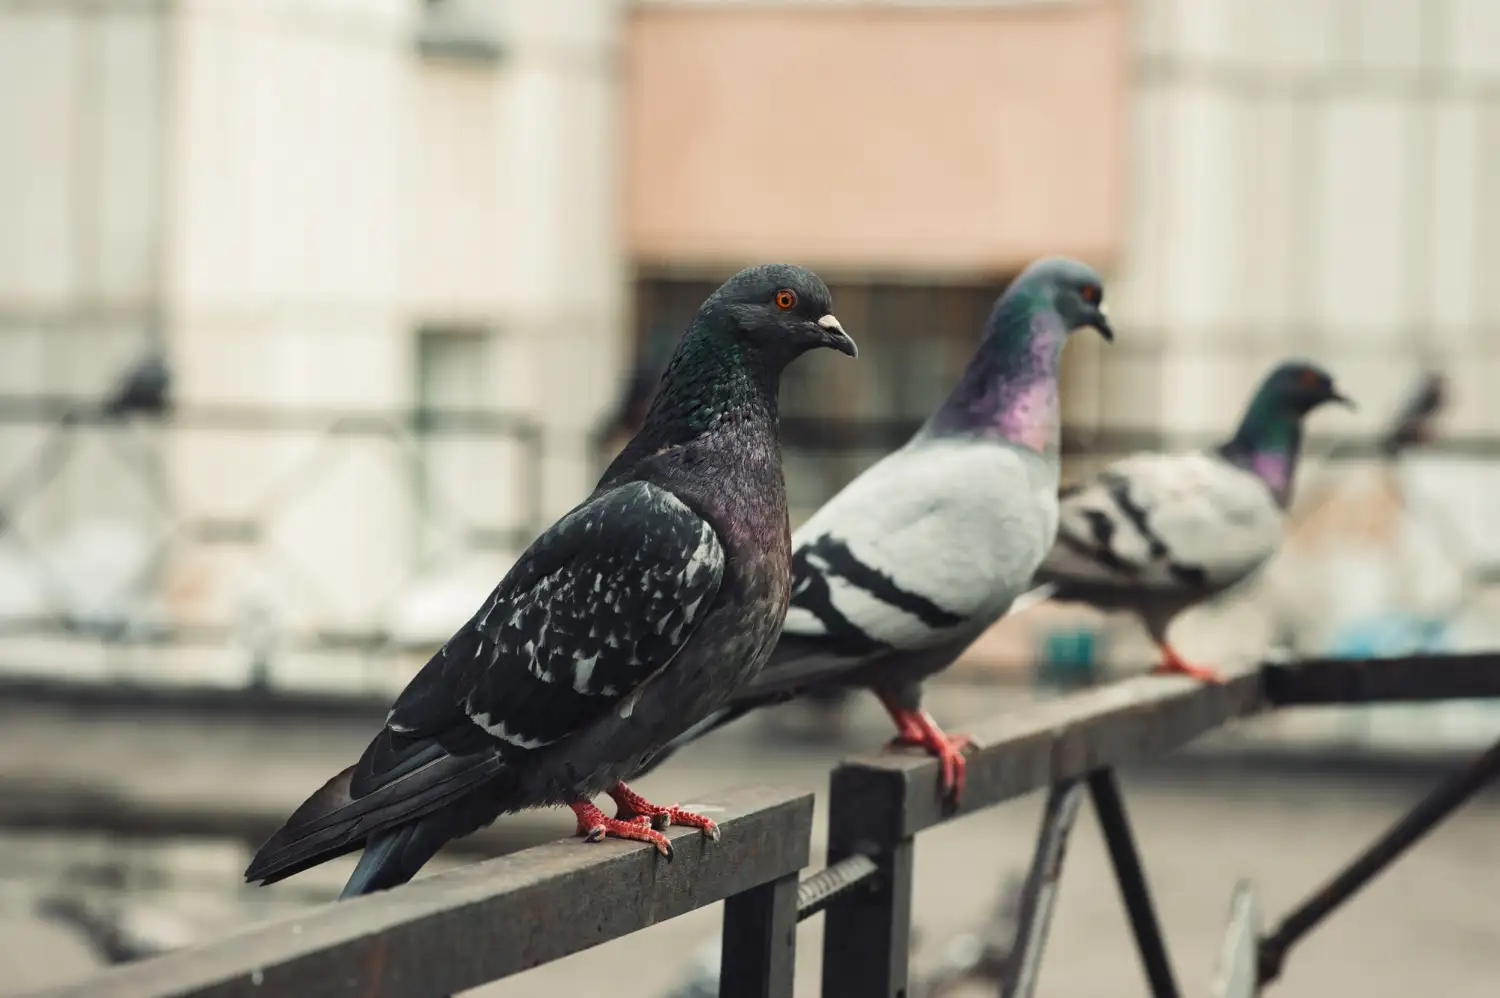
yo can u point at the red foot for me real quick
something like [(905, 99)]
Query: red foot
[(1171, 663), (594, 825), (637, 819), (916, 728), (638, 808)]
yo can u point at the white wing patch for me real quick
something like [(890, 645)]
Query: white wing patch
[(504, 734)]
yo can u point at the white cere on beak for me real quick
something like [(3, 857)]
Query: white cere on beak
[(831, 321)]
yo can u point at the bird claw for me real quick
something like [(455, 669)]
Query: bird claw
[(949, 752), (635, 808), (595, 827)]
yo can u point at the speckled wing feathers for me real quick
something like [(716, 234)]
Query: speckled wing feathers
[(599, 604), (1184, 522)]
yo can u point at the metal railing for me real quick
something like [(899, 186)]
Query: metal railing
[(67, 463), (241, 579), (467, 927)]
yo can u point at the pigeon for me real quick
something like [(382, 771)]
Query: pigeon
[(638, 613), (145, 388), (1415, 424), (900, 571), (1158, 533)]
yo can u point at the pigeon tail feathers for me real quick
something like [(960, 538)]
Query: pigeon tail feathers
[(391, 859)]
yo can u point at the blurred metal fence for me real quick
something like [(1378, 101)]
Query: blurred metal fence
[(465, 928), (249, 532), (234, 546)]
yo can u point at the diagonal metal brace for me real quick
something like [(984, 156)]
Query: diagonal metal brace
[(1039, 895), (1104, 787), (1433, 809)]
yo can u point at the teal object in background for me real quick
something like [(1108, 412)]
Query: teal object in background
[(1068, 657), (1390, 635)]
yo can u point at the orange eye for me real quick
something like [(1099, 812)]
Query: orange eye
[(786, 298), (1091, 294), (1310, 379)]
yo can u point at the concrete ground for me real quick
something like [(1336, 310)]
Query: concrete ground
[(1430, 925)]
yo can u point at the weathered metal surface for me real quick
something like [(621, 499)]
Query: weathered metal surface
[(1419, 677), (1110, 807), (44, 806), (1236, 975), (464, 928), (197, 701), (1384, 851), (760, 941), (867, 934), (897, 795), (824, 887), (1039, 894)]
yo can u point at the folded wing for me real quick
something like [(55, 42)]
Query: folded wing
[(600, 603)]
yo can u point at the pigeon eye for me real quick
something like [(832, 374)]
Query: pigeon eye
[(1090, 294), (1310, 379), (786, 298)]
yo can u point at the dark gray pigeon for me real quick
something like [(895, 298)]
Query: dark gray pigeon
[(1155, 534), (897, 574), (634, 616)]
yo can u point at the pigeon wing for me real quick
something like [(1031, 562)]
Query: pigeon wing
[(1184, 522), (600, 603)]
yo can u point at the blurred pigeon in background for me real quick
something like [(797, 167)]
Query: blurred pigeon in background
[(144, 389), (1414, 424), (632, 617), (898, 573), (1158, 533)]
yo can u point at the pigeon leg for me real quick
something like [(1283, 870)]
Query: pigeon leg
[(916, 728), (1171, 662), (634, 807), (595, 826)]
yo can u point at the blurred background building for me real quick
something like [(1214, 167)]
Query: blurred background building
[(402, 260), (413, 268)]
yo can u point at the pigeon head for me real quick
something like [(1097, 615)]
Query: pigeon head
[(725, 375), (1269, 437), (1296, 388), (1009, 389), (1072, 290), (777, 312)]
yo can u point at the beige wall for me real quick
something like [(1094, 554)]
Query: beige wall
[(889, 138)]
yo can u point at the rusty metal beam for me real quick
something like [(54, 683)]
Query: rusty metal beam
[(866, 933), (894, 796), (43, 806), (826, 886), (1383, 680), (197, 701), (457, 930), (760, 941)]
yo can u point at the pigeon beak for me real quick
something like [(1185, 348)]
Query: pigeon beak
[(1335, 396), (1101, 323), (835, 337)]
